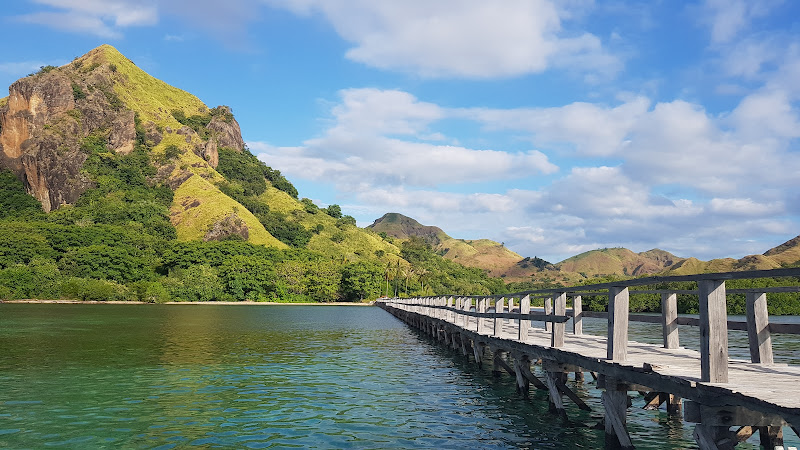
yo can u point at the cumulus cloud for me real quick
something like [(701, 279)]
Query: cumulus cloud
[(103, 18), (462, 38)]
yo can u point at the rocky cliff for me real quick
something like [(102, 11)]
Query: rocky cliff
[(48, 115)]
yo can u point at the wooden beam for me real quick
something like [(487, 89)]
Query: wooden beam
[(477, 350), (526, 371), (728, 416), (523, 386), (758, 328), (615, 404), (714, 438), (669, 319), (713, 331), (618, 300)]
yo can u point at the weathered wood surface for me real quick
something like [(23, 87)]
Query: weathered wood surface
[(771, 389)]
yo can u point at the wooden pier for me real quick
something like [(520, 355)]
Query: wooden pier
[(728, 399)]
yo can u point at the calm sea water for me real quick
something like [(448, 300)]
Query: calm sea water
[(186, 376)]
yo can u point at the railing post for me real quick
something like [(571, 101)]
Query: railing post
[(467, 305), (480, 307), (669, 319), (511, 309), (524, 324), (713, 331), (577, 315), (617, 345), (498, 323), (451, 316), (560, 309), (758, 328), (548, 309)]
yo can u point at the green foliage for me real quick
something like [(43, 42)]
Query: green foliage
[(345, 221), (286, 231), (14, 201), (112, 262), (44, 69), (309, 206), (196, 122), (89, 289), (334, 211), (149, 292), (77, 92), (197, 283), (171, 151), (361, 280)]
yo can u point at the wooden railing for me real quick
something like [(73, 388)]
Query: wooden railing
[(713, 320)]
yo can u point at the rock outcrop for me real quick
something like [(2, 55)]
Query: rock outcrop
[(225, 228), (44, 121)]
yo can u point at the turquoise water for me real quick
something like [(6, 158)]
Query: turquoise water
[(189, 376)]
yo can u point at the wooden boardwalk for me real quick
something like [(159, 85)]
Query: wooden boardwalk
[(712, 390)]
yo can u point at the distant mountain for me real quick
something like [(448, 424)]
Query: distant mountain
[(618, 261), (497, 260), (486, 254)]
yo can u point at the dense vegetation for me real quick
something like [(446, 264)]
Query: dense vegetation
[(117, 243)]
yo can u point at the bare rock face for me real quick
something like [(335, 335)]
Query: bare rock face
[(123, 133), (32, 102), (225, 129), (210, 153), (43, 124), (226, 227)]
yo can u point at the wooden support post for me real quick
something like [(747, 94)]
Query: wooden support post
[(713, 331), (464, 341), (617, 345), (556, 402), (758, 328), (548, 309), (669, 319), (477, 351), (674, 405), (770, 437), (522, 383), (560, 309), (526, 371), (524, 325), (577, 315), (498, 360), (714, 438), (615, 403), (498, 323)]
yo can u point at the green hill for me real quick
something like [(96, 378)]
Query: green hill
[(139, 190)]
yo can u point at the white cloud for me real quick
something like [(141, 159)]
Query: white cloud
[(728, 18), (462, 38), (103, 18)]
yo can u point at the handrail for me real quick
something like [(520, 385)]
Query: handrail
[(713, 322)]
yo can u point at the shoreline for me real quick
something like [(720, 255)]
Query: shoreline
[(94, 302)]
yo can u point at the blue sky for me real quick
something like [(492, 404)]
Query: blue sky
[(554, 127)]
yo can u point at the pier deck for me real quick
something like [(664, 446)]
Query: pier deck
[(717, 392)]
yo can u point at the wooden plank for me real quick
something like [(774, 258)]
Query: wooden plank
[(728, 416), (524, 325), (577, 315), (526, 371), (617, 344), (758, 328), (559, 309), (523, 386), (713, 331), (669, 319)]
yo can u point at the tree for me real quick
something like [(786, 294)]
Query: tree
[(361, 280), (334, 211)]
